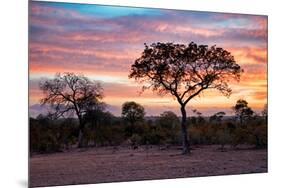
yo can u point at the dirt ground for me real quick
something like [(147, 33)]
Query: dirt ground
[(108, 164)]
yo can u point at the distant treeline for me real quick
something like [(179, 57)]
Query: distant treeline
[(134, 129)]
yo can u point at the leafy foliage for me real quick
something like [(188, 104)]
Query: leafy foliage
[(185, 71), (242, 111), (132, 113), (48, 133)]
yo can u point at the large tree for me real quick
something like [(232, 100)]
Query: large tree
[(69, 93), (185, 71)]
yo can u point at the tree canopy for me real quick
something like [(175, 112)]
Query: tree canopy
[(132, 112), (69, 94), (217, 117), (242, 110), (185, 70), (168, 119)]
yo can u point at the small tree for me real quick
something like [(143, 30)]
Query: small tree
[(198, 119), (132, 112), (169, 125), (217, 117), (94, 116), (264, 113), (242, 111), (184, 72), (69, 93), (168, 119)]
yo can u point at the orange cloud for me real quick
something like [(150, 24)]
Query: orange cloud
[(260, 95), (249, 55), (66, 40)]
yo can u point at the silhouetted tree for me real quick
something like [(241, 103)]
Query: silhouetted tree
[(168, 119), (199, 120), (184, 71), (132, 112), (69, 93), (242, 111), (264, 112), (217, 117), (99, 125), (95, 115), (168, 124)]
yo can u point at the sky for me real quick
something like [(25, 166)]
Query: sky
[(102, 42)]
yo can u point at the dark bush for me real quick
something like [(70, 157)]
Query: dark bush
[(47, 135), (103, 129)]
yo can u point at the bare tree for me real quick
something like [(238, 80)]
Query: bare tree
[(69, 93), (184, 71)]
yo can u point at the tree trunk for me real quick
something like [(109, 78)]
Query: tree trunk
[(185, 140), (241, 121), (80, 139), (81, 133)]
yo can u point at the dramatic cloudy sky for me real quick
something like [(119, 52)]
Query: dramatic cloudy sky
[(102, 42)]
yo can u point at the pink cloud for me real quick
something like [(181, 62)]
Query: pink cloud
[(63, 40)]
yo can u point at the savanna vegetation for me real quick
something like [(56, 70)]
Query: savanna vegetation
[(79, 118), (133, 129)]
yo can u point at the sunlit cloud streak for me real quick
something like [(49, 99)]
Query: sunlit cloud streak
[(102, 42)]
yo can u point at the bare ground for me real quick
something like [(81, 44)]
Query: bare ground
[(97, 165)]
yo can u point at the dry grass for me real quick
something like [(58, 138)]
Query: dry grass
[(107, 164)]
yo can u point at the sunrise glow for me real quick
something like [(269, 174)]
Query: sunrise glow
[(101, 42)]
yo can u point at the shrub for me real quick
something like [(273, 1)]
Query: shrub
[(260, 135), (223, 137), (135, 140), (241, 135)]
